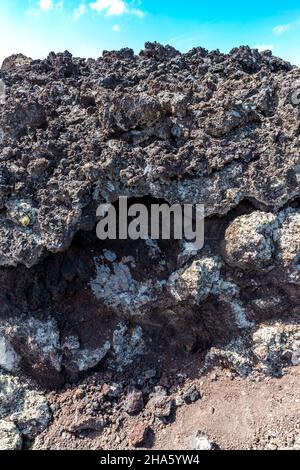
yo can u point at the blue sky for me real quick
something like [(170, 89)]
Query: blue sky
[(86, 27)]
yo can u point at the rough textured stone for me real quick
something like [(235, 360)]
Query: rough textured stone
[(268, 350), (161, 126), (165, 125), (138, 434), (201, 442), (191, 395), (134, 402), (10, 437), (24, 406), (160, 404), (249, 242)]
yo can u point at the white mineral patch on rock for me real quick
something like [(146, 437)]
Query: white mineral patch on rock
[(10, 437), (80, 358), (23, 405), (268, 349), (288, 238), (240, 314), (38, 337), (86, 359), (200, 442), (127, 345), (115, 287), (195, 282), (276, 345), (249, 240), (261, 240), (235, 356), (9, 359)]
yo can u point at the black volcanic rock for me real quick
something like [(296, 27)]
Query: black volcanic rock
[(203, 127)]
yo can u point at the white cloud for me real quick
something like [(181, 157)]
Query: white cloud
[(46, 5), (79, 11), (109, 7), (116, 28), (282, 28), (114, 7), (265, 47)]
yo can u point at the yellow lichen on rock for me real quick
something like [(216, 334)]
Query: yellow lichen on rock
[(25, 221)]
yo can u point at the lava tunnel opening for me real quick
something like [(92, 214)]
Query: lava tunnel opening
[(105, 304)]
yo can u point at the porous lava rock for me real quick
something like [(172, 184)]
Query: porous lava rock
[(196, 128)]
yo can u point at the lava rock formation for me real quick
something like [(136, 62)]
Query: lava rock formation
[(195, 128)]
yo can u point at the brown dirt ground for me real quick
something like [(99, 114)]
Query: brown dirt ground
[(234, 413), (240, 414)]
